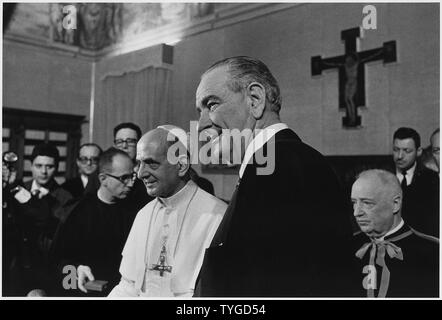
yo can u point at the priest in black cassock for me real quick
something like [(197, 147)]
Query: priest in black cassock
[(393, 259), (286, 231), (93, 236)]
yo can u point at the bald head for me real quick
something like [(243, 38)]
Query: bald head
[(156, 139), (383, 181), (377, 199), (163, 167), (167, 138)]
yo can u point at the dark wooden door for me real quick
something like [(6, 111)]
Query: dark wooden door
[(23, 129)]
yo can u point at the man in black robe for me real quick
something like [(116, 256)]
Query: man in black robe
[(286, 231), (393, 259), (93, 236)]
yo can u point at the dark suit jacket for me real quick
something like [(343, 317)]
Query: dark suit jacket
[(284, 234), (420, 206), (47, 211), (39, 219), (74, 186)]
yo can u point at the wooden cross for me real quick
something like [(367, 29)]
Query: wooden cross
[(161, 266), (351, 66)]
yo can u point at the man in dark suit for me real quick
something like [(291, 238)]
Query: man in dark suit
[(419, 184), (87, 163), (286, 231), (41, 208)]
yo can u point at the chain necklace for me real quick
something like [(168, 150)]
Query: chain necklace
[(162, 265)]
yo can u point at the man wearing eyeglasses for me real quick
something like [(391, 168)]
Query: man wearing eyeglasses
[(126, 136), (94, 234), (87, 163)]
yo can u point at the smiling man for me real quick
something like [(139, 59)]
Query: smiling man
[(165, 248), (396, 261), (282, 227)]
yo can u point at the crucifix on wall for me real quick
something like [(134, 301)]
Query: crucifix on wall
[(351, 66)]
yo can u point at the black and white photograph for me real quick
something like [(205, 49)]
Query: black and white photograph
[(220, 150)]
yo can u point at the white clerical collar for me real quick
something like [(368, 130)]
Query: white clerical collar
[(84, 180), (409, 175), (258, 142), (392, 231), (180, 197)]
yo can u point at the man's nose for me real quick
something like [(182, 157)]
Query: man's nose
[(357, 211), (141, 171), (400, 154), (204, 121)]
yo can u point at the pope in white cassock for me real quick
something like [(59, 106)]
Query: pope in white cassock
[(165, 248)]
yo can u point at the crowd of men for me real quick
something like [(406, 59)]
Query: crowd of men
[(134, 223)]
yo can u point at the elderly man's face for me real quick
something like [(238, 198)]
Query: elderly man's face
[(372, 206), (43, 169), (435, 148), (87, 161), (221, 108), (405, 153), (159, 176)]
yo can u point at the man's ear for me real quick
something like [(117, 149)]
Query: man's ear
[(397, 203), (183, 165), (257, 95), (101, 177), (419, 151)]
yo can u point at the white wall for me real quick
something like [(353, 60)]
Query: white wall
[(38, 79), (404, 93)]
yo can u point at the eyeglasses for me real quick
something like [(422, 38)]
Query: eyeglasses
[(129, 142), (125, 178), (85, 160)]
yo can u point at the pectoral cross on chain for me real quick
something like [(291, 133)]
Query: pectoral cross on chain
[(162, 265)]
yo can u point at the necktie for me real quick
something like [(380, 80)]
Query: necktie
[(36, 193), (404, 180)]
